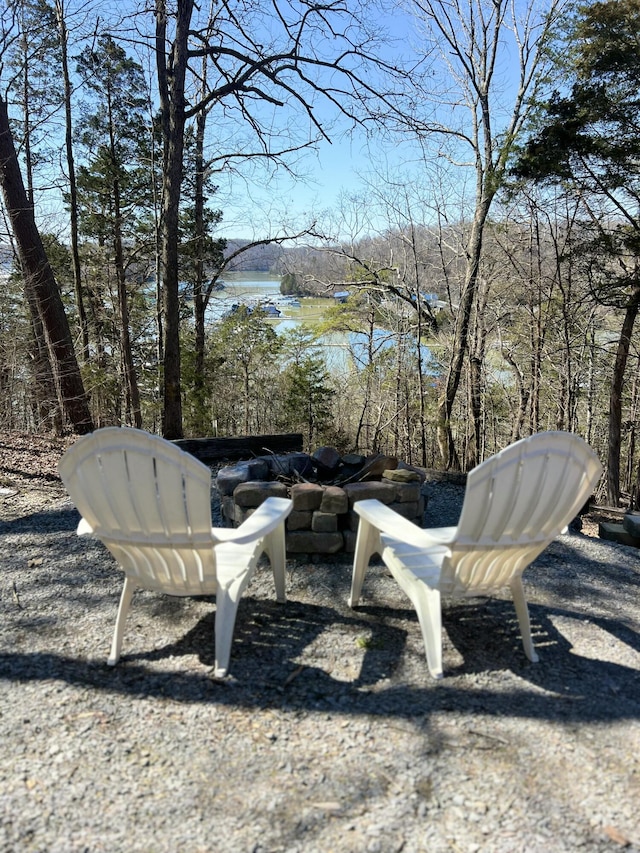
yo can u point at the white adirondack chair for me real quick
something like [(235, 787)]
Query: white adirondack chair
[(515, 504), (150, 504)]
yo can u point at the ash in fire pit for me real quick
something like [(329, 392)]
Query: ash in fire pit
[(323, 487)]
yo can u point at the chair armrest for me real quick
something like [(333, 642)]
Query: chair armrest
[(263, 521), (389, 522)]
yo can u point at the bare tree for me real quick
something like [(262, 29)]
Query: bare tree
[(473, 107), (263, 59)]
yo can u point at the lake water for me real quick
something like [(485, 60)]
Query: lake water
[(263, 289), (255, 288)]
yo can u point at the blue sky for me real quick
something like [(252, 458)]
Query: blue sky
[(335, 169), (324, 173), (253, 205), (344, 166)]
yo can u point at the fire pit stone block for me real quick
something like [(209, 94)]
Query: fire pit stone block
[(383, 492), (250, 495), (306, 496), (308, 542), (323, 521), (334, 499)]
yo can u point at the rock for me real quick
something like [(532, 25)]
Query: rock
[(299, 520), (353, 460), (405, 466), (324, 522), (384, 492), (327, 459), (617, 533), (308, 542), (408, 509), (350, 537), (306, 496), (375, 465), (254, 493), (334, 499), (401, 475), (631, 523), (407, 492), (228, 509), (290, 464), (231, 476)]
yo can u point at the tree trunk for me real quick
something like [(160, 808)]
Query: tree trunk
[(591, 382), (37, 271), (132, 407), (476, 364), (73, 189), (633, 431), (615, 398), (461, 337), (48, 403), (199, 302), (171, 86), (523, 396), (47, 400)]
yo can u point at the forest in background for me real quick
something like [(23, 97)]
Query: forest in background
[(512, 253)]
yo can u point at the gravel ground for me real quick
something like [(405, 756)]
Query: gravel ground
[(329, 735)]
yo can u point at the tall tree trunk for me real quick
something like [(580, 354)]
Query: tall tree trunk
[(633, 429), (199, 302), (47, 398), (591, 381), (73, 189), (46, 395), (537, 341), (419, 333), (615, 398), (461, 338), (132, 394), (130, 379), (476, 364), (37, 271), (523, 395), (171, 86)]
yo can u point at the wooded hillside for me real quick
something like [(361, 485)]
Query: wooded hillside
[(492, 264)]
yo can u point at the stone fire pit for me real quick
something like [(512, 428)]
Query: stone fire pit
[(323, 486)]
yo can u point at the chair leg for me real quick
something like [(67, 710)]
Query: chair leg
[(367, 544), (227, 601), (125, 600), (429, 609), (276, 551), (522, 612)]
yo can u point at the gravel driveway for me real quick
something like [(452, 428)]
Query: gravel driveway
[(330, 734)]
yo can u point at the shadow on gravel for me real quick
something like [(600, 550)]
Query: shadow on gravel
[(581, 571), (488, 633), (43, 522), (269, 638)]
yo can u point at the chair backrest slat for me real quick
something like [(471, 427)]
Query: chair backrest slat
[(515, 504), (128, 481)]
